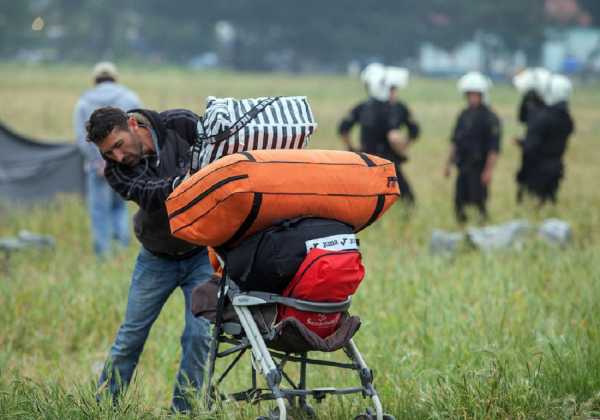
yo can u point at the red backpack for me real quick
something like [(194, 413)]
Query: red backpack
[(323, 276)]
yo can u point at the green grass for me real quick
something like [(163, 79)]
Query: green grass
[(513, 334)]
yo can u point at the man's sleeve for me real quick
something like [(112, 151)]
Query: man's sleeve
[(184, 122), (524, 109), (495, 133), (457, 128), (136, 184), (349, 120), (402, 116)]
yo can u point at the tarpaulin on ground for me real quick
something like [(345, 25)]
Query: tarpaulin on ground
[(33, 171)]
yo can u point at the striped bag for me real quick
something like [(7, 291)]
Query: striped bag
[(232, 125)]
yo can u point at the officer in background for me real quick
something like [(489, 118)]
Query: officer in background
[(546, 140), (532, 84), (382, 118), (475, 145), (107, 210)]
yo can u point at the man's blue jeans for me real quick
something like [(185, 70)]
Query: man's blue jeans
[(108, 213), (154, 279)]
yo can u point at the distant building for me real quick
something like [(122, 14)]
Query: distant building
[(572, 50)]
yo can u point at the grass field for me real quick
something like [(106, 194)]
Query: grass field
[(513, 334)]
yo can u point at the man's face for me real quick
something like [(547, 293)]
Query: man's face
[(122, 146), (393, 94), (474, 99)]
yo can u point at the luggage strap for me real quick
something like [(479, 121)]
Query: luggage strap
[(237, 126), (241, 123)]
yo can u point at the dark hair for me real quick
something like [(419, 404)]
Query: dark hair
[(104, 78), (103, 121)]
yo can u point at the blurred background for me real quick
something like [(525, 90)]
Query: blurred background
[(432, 37), (513, 334)]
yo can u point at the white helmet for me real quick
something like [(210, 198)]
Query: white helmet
[(397, 77), (371, 71), (535, 79), (559, 90), (381, 82), (474, 82), (373, 76)]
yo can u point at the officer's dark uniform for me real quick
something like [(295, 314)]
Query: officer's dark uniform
[(376, 119), (543, 148), (476, 134), (530, 105)]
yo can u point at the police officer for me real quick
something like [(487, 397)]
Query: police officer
[(546, 140), (382, 118), (531, 83), (475, 145)]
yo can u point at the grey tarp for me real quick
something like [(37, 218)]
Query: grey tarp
[(32, 171)]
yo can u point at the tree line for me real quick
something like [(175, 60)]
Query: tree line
[(331, 32)]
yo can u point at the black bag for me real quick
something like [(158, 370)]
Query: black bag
[(268, 260)]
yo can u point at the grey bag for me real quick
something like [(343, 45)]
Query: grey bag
[(502, 236), (443, 242), (555, 232)]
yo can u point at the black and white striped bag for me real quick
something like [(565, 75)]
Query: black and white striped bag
[(232, 125)]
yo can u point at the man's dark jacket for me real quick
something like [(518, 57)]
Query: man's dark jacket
[(150, 182), (477, 133), (376, 119), (544, 147)]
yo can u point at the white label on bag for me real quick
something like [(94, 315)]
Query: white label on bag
[(333, 243)]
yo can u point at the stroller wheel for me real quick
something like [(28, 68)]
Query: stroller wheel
[(368, 415), (273, 415), (305, 412)]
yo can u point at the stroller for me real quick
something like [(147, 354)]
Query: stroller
[(247, 320)]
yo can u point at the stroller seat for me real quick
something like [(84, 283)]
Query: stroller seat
[(288, 335), (247, 320)]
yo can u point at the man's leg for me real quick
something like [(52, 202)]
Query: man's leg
[(406, 193), (195, 340), (120, 220), (98, 200), (481, 196), (460, 198), (153, 280)]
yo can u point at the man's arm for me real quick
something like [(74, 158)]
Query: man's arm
[(452, 153), (413, 127), (493, 150), (399, 117), (450, 160), (346, 125), (488, 170), (138, 184)]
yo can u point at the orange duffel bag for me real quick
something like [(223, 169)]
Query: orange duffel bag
[(243, 193)]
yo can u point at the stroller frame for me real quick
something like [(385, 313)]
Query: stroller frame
[(247, 335)]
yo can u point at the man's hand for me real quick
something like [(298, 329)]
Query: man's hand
[(345, 137), (447, 170), (490, 164), (398, 142), (486, 177)]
